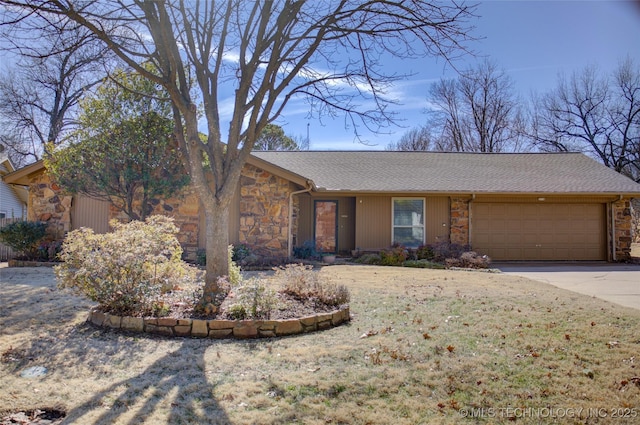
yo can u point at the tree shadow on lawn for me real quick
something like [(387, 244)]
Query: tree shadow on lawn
[(172, 389), (30, 301), (175, 383), (41, 326)]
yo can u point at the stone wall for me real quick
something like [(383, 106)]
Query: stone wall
[(622, 229), (459, 221), (264, 213), (184, 208), (47, 203)]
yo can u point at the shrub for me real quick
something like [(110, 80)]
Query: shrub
[(201, 257), (423, 264), (243, 256), (306, 251), (24, 236), (394, 256), (126, 270), (237, 312), (302, 283), (469, 259), (372, 259), (234, 270), (445, 250), (255, 300), (425, 252), (49, 251)]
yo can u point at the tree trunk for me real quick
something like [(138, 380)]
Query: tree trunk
[(217, 243)]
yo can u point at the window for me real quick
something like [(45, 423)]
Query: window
[(408, 221)]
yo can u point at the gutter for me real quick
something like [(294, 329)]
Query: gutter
[(473, 198), (309, 188)]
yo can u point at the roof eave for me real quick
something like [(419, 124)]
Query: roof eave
[(617, 194), (280, 172), (20, 176)]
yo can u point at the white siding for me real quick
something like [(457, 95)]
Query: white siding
[(10, 205)]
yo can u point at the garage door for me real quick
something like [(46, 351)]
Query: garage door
[(507, 231)]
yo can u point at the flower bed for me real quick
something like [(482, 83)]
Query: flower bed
[(201, 328)]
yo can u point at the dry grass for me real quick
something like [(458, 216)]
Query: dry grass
[(424, 346)]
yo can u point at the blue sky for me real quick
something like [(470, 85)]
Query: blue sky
[(534, 41)]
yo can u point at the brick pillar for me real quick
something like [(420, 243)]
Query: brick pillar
[(459, 221)]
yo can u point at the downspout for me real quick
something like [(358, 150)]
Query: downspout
[(473, 198), (290, 227)]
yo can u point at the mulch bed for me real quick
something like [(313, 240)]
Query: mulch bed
[(46, 415)]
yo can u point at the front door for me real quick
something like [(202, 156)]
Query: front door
[(326, 226)]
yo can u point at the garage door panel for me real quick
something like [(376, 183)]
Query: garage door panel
[(548, 239), (512, 225), (563, 253), (529, 231), (545, 253)]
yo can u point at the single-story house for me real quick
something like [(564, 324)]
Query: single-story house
[(512, 206)]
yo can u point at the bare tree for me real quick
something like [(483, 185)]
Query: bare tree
[(39, 94), (269, 52), (415, 139), (477, 112), (594, 114)]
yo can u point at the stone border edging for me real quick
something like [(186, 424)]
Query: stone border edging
[(202, 328)]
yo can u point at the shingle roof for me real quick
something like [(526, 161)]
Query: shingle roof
[(439, 172)]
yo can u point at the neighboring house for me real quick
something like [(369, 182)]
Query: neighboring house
[(13, 198), (13, 202), (561, 206)]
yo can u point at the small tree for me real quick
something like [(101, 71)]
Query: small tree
[(123, 148), (415, 139), (272, 138)]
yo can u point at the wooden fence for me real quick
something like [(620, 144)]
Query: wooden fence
[(7, 253)]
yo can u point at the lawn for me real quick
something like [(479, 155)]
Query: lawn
[(423, 346)]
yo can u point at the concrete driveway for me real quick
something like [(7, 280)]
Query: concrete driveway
[(618, 283)]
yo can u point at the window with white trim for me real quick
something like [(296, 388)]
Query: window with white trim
[(408, 221)]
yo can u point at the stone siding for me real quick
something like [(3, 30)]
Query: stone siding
[(459, 221), (49, 204), (184, 208), (622, 229), (264, 213)]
